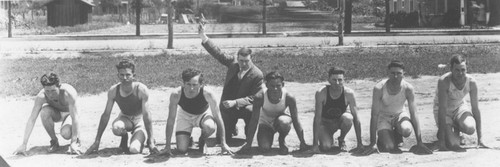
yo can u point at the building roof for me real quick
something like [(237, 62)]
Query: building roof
[(84, 1)]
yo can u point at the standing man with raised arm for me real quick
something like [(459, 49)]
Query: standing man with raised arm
[(331, 114), (451, 112), (388, 120), (269, 113), (243, 80), (55, 102), (132, 98), (193, 99)]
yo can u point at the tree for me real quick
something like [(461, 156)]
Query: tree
[(341, 22), (264, 20)]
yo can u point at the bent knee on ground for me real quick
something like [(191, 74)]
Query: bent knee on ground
[(119, 128), (406, 128), (66, 131), (135, 147), (468, 125), (283, 123), (208, 127)]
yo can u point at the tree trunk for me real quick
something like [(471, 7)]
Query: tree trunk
[(120, 18), (170, 13), (9, 15), (341, 23), (348, 17), (264, 31), (387, 17), (138, 8)]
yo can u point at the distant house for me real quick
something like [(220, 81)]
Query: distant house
[(68, 12), (459, 11)]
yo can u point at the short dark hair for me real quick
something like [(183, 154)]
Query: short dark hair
[(50, 79), (274, 75), (190, 73), (336, 70), (396, 63), (126, 63), (244, 51), (457, 59)]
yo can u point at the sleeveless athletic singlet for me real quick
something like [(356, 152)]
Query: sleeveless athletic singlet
[(271, 110), (197, 105), (130, 105), (61, 105), (456, 97), (334, 108), (393, 104)]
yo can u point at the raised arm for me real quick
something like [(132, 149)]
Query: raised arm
[(292, 106), (212, 49), (172, 114), (475, 112), (420, 148), (210, 97), (144, 95), (39, 101), (104, 120)]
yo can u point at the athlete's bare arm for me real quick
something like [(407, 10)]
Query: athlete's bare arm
[(71, 96), (320, 100), (210, 97), (144, 96), (172, 114), (291, 103), (351, 101), (420, 148), (254, 121), (475, 112), (39, 101), (443, 85), (376, 104), (104, 120)]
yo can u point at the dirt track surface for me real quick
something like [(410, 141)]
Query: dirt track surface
[(17, 110)]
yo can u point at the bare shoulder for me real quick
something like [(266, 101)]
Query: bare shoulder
[(348, 91), (142, 87), (322, 90), (70, 90), (176, 94), (472, 80), (379, 85), (289, 96), (112, 90)]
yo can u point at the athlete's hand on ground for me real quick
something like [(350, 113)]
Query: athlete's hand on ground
[(313, 150), (441, 146), (21, 150), (166, 152), (153, 150), (74, 147), (303, 146), (370, 150), (245, 149), (226, 150), (93, 148), (358, 150), (480, 144), (420, 149), (229, 103)]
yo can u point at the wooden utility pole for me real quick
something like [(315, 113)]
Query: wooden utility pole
[(138, 10), (264, 20), (341, 22), (9, 15), (387, 17), (170, 24), (348, 16)]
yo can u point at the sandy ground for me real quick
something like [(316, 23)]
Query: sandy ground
[(91, 107)]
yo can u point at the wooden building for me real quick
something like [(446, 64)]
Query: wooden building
[(68, 12)]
